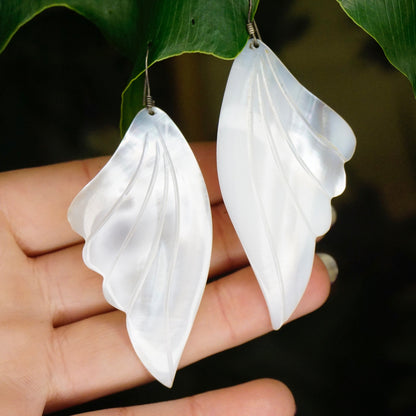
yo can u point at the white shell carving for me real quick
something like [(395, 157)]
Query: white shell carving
[(281, 154), (146, 221)]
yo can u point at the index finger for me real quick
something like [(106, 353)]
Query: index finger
[(35, 201)]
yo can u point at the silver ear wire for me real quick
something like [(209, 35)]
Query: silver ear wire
[(148, 101), (252, 28)]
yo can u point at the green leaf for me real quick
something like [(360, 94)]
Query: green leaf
[(216, 27), (392, 23)]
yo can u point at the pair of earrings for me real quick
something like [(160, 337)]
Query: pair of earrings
[(146, 216)]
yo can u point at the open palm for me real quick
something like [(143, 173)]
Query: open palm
[(62, 344)]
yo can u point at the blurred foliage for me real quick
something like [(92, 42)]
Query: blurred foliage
[(59, 82), (214, 27), (392, 23), (170, 28)]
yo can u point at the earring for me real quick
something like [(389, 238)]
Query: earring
[(146, 221), (281, 154)]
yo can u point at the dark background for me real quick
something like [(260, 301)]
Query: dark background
[(60, 86)]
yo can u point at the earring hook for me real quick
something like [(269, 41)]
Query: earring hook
[(252, 28), (148, 101)]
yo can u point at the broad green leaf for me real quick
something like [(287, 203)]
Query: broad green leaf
[(392, 23), (171, 27)]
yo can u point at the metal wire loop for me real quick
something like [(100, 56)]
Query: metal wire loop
[(252, 28), (148, 101)]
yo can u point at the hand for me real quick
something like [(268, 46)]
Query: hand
[(62, 344)]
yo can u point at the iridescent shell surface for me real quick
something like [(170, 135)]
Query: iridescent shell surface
[(281, 154), (146, 221)]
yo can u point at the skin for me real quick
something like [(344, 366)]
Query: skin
[(62, 344)]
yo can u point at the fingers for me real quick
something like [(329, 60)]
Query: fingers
[(316, 292), (35, 201), (205, 154), (227, 252), (234, 311), (94, 357), (261, 397), (74, 292)]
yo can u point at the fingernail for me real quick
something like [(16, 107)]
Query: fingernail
[(331, 266), (333, 216)]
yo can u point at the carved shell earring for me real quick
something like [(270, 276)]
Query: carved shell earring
[(281, 154), (146, 221)]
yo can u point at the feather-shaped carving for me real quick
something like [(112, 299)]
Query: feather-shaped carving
[(281, 154), (146, 222)]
